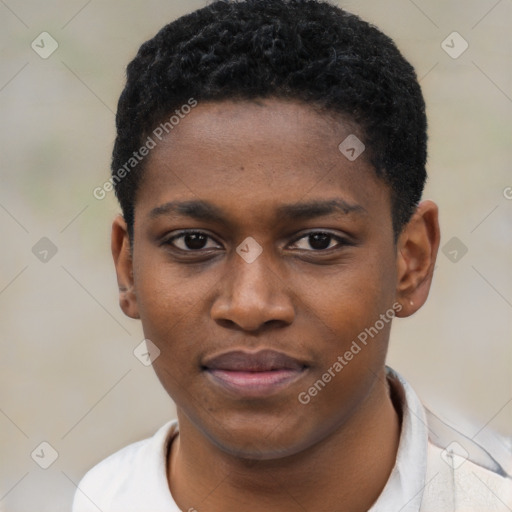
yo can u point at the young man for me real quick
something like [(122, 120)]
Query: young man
[(269, 163)]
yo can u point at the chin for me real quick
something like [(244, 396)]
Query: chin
[(263, 438)]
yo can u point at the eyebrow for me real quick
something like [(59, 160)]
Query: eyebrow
[(319, 208), (203, 210), (200, 210)]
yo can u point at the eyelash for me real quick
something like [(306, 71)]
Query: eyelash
[(341, 241)]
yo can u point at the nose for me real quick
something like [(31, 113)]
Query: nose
[(253, 295)]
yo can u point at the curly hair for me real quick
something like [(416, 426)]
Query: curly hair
[(306, 50)]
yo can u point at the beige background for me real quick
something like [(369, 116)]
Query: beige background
[(68, 374)]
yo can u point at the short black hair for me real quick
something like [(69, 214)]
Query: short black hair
[(305, 50)]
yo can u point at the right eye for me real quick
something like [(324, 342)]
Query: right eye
[(191, 241)]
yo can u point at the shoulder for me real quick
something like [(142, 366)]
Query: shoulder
[(114, 478), (464, 468), (464, 474)]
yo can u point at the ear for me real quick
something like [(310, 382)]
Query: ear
[(417, 248), (121, 252)]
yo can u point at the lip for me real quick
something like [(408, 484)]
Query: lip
[(254, 374)]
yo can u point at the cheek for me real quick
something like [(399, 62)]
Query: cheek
[(174, 311), (354, 344), (166, 292), (353, 297), (346, 309)]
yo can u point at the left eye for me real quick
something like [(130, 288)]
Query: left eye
[(318, 241)]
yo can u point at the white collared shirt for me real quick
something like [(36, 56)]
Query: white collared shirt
[(437, 469)]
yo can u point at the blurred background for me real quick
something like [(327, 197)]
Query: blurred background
[(71, 389)]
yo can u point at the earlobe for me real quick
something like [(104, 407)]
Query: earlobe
[(121, 252), (417, 248)]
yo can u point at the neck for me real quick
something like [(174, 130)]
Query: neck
[(350, 467)]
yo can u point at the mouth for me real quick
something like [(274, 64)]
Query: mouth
[(254, 374)]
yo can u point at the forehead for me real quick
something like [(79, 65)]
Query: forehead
[(258, 156)]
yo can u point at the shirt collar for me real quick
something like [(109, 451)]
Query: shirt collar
[(404, 489)]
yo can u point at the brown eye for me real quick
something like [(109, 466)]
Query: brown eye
[(318, 241), (195, 241), (192, 241)]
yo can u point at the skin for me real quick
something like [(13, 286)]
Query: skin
[(248, 159)]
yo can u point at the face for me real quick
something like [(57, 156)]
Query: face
[(260, 254)]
